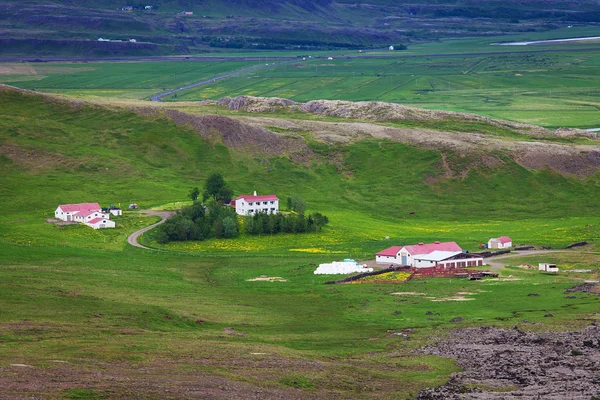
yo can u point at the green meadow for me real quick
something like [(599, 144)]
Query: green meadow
[(132, 79), (84, 304), (548, 89)]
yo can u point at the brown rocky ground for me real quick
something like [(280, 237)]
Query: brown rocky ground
[(507, 364)]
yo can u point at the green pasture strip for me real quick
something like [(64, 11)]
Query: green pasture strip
[(157, 76)]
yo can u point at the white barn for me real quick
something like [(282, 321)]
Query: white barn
[(251, 204), (87, 213), (404, 255), (68, 212), (503, 242)]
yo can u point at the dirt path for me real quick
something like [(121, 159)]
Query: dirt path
[(133, 238), (497, 265), (158, 97)]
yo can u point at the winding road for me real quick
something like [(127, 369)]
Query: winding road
[(133, 238), (158, 97)]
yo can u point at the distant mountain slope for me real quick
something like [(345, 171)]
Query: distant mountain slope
[(280, 24)]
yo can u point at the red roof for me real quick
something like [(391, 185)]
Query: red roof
[(250, 198), (85, 213), (391, 252), (504, 239), (431, 247), (80, 207), (96, 220)]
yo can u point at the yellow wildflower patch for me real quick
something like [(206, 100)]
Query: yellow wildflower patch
[(388, 277)]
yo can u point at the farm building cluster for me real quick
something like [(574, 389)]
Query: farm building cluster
[(90, 214), (427, 255)]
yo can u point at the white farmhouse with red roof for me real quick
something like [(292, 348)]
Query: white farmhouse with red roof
[(89, 214), (246, 204), (503, 242), (414, 255)]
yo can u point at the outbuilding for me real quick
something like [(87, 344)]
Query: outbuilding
[(447, 259), (546, 267), (503, 242), (100, 223)]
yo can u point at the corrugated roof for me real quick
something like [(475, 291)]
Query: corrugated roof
[(429, 248), (504, 239), (80, 207), (390, 252), (251, 198), (438, 255)]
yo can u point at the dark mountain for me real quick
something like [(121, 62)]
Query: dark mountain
[(279, 24)]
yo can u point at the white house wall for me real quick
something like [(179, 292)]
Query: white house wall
[(385, 260), (242, 207)]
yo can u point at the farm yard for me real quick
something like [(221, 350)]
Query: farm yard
[(85, 315)]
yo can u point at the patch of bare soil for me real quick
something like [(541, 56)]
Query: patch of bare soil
[(33, 160), (238, 135), (17, 69), (585, 288), (267, 279), (135, 382), (475, 148), (507, 364), (526, 266), (380, 111)]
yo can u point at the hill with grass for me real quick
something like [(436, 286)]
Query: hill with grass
[(85, 315), (65, 28), (434, 163)]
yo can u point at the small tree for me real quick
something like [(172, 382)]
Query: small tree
[(194, 193), (216, 188), (296, 204), (229, 228)]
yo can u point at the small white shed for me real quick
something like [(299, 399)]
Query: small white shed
[(547, 267), (503, 242)]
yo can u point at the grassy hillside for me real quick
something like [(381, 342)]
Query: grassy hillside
[(91, 317)]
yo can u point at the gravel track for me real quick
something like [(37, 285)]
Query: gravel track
[(133, 238)]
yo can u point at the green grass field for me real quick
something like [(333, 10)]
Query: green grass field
[(551, 90), (120, 79), (106, 320)]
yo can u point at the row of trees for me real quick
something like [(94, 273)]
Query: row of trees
[(200, 222), (262, 223), (214, 220)]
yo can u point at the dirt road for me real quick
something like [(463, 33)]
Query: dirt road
[(133, 238), (497, 265)]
